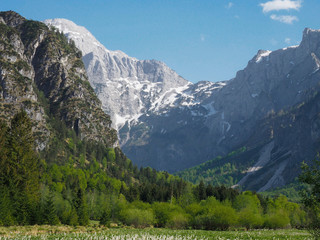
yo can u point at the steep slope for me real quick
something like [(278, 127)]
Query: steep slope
[(42, 73), (126, 86), (272, 82), (184, 124), (279, 123), (273, 154), (139, 96)]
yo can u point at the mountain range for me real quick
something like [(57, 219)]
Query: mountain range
[(263, 123), (169, 123)]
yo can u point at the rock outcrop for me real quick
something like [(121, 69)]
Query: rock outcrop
[(42, 73)]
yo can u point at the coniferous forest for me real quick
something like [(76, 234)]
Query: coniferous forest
[(92, 182)]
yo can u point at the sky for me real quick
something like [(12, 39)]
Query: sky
[(199, 39)]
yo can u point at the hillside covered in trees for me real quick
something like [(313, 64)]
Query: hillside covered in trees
[(59, 160)]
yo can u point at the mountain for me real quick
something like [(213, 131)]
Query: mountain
[(280, 123), (138, 95), (126, 86), (59, 157), (171, 124), (43, 74)]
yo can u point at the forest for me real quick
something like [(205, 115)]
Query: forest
[(77, 181)]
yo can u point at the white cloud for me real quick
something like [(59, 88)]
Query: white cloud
[(230, 5), (288, 19), (287, 40), (277, 5)]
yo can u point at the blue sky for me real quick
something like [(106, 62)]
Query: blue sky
[(199, 39)]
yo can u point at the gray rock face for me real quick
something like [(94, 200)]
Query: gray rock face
[(43, 74), (169, 123), (126, 86)]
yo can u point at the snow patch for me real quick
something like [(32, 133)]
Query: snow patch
[(290, 47), (262, 54)]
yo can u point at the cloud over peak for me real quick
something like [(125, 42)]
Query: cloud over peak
[(277, 5), (288, 19)]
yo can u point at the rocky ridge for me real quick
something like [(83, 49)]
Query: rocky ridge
[(42, 73)]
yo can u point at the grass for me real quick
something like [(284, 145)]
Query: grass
[(102, 233)]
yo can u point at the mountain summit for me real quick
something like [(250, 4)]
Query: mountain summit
[(126, 86)]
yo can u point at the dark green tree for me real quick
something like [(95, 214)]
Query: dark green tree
[(311, 195), (19, 169), (81, 207), (50, 211), (23, 170), (202, 191)]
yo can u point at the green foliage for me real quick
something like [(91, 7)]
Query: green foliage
[(291, 191), (277, 220), (50, 212), (30, 30), (91, 181), (216, 215), (249, 218), (19, 172), (227, 170), (138, 217), (178, 220), (311, 195), (249, 210)]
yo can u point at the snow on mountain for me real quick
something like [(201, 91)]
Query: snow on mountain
[(126, 86)]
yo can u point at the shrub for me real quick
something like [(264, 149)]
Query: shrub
[(137, 217), (178, 220), (219, 218), (250, 219), (277, 220)]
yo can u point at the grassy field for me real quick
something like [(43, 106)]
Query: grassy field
[(97, 233)]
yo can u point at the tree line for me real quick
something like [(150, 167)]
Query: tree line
[(76, 181)]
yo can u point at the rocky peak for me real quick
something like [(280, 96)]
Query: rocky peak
[(12, 19), (310, 40), (127, 87)]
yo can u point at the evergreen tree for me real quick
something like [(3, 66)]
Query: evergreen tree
[(19, 172), (81, 207), (22, 169), (209, 190), (6, 212), (202, 191), (50, 211), (311, 195)]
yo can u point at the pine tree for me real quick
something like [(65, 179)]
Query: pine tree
[(50, 211), (6, 213), (311, 196), (202, 191), (21, 169), (81, 207)]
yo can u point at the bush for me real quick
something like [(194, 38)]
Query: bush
[(220, 218), (277, 220), (137, 217), (178, 220), (250, 219)]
